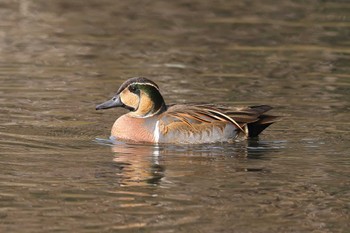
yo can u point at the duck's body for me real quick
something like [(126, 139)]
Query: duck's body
[(151, 121), (173, 127)]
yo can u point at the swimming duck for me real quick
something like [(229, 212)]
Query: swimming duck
[(150, 120)]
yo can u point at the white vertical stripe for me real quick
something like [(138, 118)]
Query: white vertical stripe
[(156, 132)]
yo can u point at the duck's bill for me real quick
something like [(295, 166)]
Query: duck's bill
[(112, 103)]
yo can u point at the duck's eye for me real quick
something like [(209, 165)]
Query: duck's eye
[(132, 88)]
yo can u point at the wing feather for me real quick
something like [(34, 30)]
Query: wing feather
[(200, 114), (249, 120)]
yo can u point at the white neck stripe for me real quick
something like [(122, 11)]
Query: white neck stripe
[(156, 132)]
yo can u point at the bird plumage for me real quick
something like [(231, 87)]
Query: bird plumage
[(151, 120)]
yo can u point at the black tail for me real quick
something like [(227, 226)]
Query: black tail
[(263, 120), (255, 128)]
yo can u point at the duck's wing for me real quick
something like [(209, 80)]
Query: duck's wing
[(252, 120), (254, 117), (191, 115)]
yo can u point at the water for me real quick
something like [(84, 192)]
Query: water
[(58, 59)]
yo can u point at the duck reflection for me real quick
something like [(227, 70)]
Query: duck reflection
[(138, 164), (141, 165)]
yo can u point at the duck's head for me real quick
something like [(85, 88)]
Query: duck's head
[(139, 95)]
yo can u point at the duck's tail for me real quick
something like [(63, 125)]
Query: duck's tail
[(263, 121), (253, 119)]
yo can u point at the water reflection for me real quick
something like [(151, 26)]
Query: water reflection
[(145, 164), (138, 164)]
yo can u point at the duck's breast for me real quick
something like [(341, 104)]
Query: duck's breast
[(128, 128)]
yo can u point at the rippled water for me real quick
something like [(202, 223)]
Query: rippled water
[(58, 59)]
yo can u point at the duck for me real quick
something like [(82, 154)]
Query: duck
[(151, 120)]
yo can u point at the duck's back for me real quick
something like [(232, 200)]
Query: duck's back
[(206, 123), (189, 124)]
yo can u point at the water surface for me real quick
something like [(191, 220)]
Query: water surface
[(58, 59)]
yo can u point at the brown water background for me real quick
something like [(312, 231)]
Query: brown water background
[(59, 58)]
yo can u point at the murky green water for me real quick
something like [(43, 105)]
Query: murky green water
[(59, 58)]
